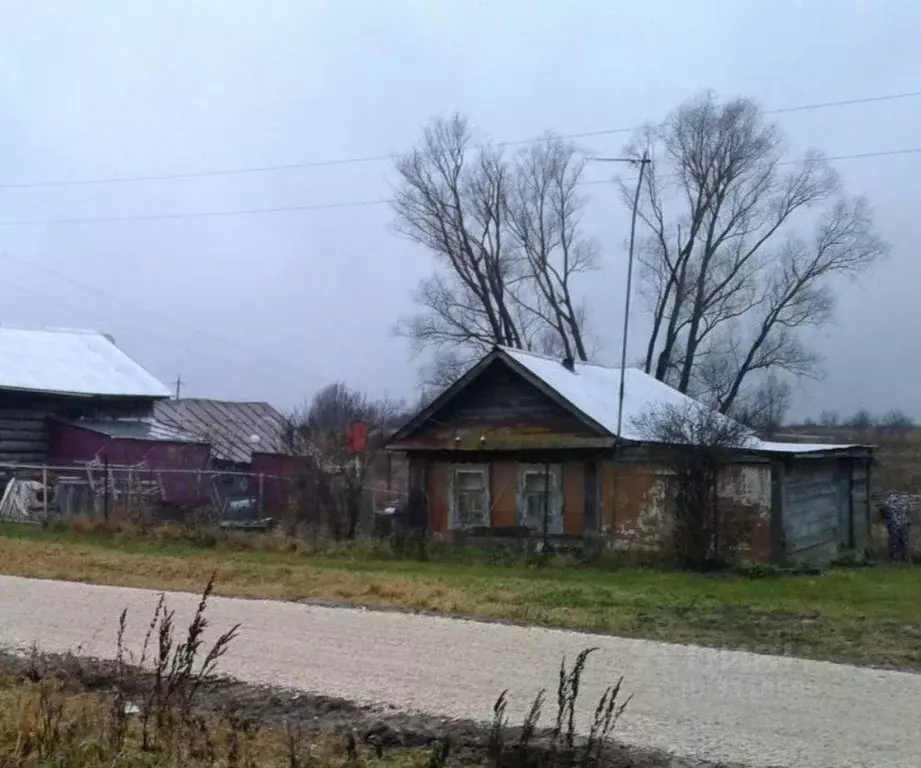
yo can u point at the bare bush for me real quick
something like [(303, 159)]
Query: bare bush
[(699, 444), (320, 434)]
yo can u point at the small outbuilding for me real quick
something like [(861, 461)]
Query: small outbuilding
[(249, 445), (521, 441)]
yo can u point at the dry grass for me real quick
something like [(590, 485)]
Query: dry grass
[(859, 615), (45, 724)]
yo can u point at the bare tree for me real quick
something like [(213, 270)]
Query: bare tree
[(766, 408), (728, 276), (320, 432), (700, 443), (505, 234), (897, 421), (862, 420)]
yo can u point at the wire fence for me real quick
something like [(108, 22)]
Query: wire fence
[(231, 499)]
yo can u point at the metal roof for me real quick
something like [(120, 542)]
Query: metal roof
[(71, 362), (234, 430), (136, 429), (593, 390)]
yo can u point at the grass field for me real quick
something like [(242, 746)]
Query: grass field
[(859, 615)]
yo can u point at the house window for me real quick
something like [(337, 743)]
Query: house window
[(539, 490), (471, 497)]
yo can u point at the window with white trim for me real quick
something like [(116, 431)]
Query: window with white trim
[(539, 492), (470, 497)]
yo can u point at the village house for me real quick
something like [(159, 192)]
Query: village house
[(82, 417), (519, 430), (59, 378)]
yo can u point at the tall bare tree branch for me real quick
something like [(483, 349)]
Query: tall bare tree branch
[(728, 282), (506, 237)]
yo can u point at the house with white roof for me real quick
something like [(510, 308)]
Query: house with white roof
[(521, 441), (49, 375)]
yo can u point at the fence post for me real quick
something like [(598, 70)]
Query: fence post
[(105, 485), (45, 493)]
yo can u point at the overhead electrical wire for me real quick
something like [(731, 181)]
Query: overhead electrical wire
[(336, 205), (389, 157), (163, 315), (139, 329)]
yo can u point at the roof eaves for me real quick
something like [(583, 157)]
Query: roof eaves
[(446, 396)]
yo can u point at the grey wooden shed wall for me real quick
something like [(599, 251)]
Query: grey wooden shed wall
[(824, 508)]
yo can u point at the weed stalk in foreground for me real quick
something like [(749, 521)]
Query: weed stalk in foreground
[(565, 748)]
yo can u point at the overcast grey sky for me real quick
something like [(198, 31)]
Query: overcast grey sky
[(274, 305)]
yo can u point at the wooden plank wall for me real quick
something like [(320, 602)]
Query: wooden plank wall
[(24, 436)]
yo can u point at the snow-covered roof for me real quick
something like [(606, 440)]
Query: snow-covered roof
[(593, 389), (74, 362)]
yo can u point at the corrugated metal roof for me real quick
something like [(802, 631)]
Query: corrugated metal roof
[(230, 427), (136, 429), (593, 390), (71, 362)]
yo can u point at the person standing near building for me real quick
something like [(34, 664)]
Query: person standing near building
[(897, 516)]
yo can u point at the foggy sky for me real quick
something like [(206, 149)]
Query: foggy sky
[(275, 305)]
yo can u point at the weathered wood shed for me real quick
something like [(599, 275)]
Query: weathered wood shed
[(519, 428), (66, 374)]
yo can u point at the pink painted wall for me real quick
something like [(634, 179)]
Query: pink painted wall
[(279, 480), (72, 445)]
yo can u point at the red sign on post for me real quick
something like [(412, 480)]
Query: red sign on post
[(358, 437)]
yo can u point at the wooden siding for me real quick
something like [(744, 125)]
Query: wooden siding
[(591, 519), (438, 496), (502, 410), (812, 513), (503, 483), (573, 498), (860, 503)]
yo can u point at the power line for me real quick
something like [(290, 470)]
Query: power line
[(778, 111), (389, 157), (198, 214), (344, 204), (198, 174), (169, 318)]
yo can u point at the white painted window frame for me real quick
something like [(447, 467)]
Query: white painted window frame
[(555, 518), (485, 521)]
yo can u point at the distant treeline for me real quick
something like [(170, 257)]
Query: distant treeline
[(894, 420)]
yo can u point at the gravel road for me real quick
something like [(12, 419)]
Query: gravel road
[(720, 705)]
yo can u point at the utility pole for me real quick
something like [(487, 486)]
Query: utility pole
[(642, 163), (178, 385)]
